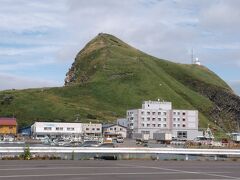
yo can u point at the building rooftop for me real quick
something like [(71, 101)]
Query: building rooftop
[(8, 121)]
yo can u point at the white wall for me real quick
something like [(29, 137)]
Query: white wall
[(56, 128), (157, 105)]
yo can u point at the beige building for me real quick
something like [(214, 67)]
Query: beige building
[(92, 129), (114, 130), (159, 117)]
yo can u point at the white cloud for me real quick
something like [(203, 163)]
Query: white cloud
[(167, 29)]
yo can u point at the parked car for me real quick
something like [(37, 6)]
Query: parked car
[(90, 144), (107, 145), (119, 140)]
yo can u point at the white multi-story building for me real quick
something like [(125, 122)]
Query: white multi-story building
[(159, 117)]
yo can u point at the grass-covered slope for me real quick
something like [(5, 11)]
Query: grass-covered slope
[(108, 77)]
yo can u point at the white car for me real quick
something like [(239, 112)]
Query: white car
[(119, 140)]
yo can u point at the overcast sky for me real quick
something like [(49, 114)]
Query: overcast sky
[(39, 39)]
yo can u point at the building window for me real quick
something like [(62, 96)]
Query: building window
[(165, 113), (174, 125), (87, 129), (182, 134), (148, 118), (183, 125), (178, 113), (165, 119), (184, 113), (71, 129), (153, 113), (142, 112), (153, 125), (98, 129), (159, 113), (93, 129), (174, 119), (148, 125), (164, 125), (148, 113), (131, 124), (153, 119), (120, 129), (159, 119), (159, 125), (174, 113), (178, 125), (183, 119), (59, 128), (142, 125), (47, 128), (111, 129)]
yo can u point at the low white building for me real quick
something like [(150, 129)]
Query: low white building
[(114, 130), (94, 129), (41, 129), (159, 117), (55, 128)]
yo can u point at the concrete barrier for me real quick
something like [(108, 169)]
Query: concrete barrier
[(184, 151)]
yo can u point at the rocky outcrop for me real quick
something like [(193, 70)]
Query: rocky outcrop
[(226, 109)]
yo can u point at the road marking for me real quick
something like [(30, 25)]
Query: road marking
[(183, 171), (89, 174), (68, 167)]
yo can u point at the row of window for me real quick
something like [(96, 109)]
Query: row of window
[(178, 125), (179, 113), (111, 129), (93, 129), (178, 119), (154, 113), (154, 125), (68, 129), (162, 125), (153, 119), (59, 128)]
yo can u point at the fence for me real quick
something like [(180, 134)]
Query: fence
[(122, 151)]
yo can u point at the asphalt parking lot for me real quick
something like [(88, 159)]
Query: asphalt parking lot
[(120, 170)]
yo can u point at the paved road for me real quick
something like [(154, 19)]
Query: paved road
[(119, 170)]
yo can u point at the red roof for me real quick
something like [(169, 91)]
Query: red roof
[(8, 121)]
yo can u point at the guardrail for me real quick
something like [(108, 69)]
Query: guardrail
[(183, 151)]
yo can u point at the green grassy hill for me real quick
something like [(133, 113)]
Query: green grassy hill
[(108, 77)]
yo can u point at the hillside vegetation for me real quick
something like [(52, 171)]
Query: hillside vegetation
[(108, 77)]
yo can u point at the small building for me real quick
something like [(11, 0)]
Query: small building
[(8, 126), (114, 130), (25, 131), (41, 129), (92, 129)]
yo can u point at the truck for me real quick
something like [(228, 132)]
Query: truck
[(141, 138), (236, 137), (163, 138)]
